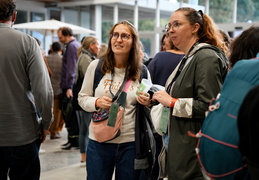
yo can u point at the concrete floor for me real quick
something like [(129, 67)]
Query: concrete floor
[(60, 164)]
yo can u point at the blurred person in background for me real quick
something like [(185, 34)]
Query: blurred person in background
[(86, 54), (54, 60)]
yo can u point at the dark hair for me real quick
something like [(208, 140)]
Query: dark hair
[(162, 42), (226, 38), (245, 46), (7, 8), (134, 62), (56, 46), (66, 31), (208, 32), (37, 40)]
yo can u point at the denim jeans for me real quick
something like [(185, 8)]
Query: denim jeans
[(84, 122), (22, 162), (103, 158)]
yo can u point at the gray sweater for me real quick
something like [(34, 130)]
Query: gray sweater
[(25, 85)]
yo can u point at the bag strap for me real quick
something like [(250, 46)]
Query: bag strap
[(98, 75), (126, 86)]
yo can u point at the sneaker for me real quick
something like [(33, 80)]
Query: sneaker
[(42, 151), (82, 164), (66, 144)]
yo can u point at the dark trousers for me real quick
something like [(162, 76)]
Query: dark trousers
[(71, 122), (20, 162)]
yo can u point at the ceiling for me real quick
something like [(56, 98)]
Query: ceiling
[(54, 1)]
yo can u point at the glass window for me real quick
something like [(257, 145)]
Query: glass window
[(21, 17)]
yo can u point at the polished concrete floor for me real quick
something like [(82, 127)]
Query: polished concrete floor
[(60, 164)]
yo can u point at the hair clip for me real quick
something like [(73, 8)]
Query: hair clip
[(201, 13)]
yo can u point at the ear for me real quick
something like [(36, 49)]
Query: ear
[(14, 16), (196, 28)]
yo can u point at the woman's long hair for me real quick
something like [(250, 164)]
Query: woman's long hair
[(134, 62)]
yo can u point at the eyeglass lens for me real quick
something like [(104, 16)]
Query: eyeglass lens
[(123, 36)]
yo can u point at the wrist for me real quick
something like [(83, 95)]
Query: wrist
[(172, 102), (96, 105)]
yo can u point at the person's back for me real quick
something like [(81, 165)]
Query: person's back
[(25, 102), (164, 62), (163, 65), (55, 64)]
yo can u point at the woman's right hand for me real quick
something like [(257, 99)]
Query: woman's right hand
[(163, 97), (103, 102)]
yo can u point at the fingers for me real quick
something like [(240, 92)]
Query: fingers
[(144, 98), (104, 102)]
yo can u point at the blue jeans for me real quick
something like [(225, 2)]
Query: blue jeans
[(84, 123), (22, 162), (102, 158)]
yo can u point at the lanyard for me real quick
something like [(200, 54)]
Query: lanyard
[(114, 97), (179, 70)]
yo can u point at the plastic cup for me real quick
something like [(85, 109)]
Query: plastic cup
[(144, 86)]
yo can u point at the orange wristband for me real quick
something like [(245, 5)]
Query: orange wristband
[(96, 102), (172, 102)]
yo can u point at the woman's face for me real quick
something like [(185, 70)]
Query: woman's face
[(95, 48), (180, 30), (121, 40), (168, 43)]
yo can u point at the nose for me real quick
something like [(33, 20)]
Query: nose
[(119, 38), (170, 30)]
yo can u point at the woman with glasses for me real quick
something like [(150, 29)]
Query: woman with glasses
[(121, 62), (194, 82)]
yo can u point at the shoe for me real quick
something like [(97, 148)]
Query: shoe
[(68, 147), (82, 164), (56, 136), (42, 150), (66, 144)]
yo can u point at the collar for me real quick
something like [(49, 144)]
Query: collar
[(85, 51), (4, 25)]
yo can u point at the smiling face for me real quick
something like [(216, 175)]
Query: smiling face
[(182, 33), (121, 40)]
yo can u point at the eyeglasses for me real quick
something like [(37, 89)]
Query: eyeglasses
[(175, 25), (124, 36)]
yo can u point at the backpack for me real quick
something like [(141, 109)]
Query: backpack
[(217, 148)]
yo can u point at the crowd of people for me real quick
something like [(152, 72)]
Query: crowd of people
[(41, 93)]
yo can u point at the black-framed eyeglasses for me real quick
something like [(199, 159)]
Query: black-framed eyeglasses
[(175, 25), (124, 36)]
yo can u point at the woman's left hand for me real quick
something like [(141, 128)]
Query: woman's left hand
[(144, 98)]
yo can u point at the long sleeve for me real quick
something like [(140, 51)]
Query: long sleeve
[(41, 86)]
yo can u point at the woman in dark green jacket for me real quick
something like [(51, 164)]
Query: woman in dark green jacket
[(189, 89)]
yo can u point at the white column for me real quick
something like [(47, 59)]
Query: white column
[(115, 13), (62, 17), (207, 7), (181, 3), (156, 43), (98, 22), (234, 11), (136, 15)]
